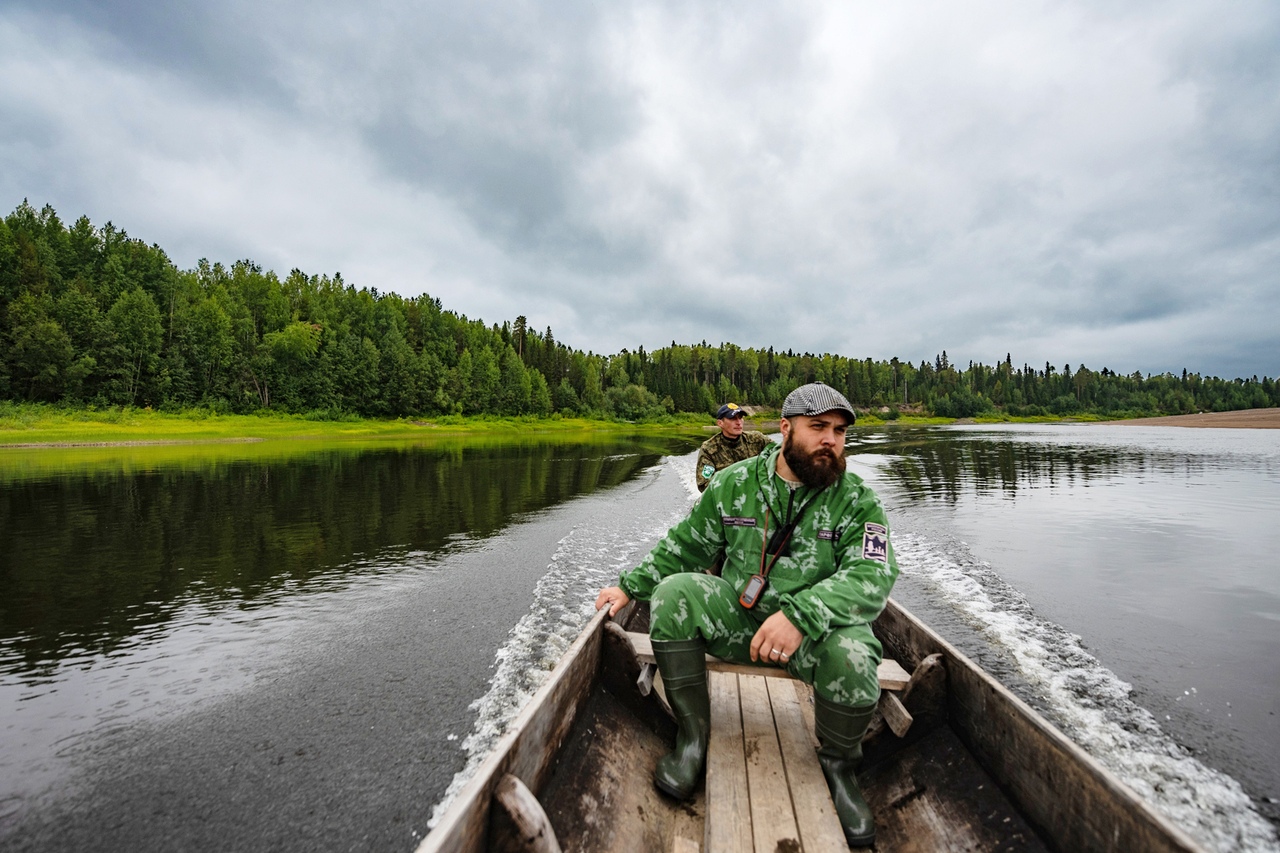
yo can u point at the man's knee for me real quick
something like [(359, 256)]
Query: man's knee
[(671, 609), (846, 666), (685, 603)]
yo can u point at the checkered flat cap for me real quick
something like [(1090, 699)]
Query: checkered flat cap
[(815, 399)]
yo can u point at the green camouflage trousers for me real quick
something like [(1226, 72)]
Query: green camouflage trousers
[(841, 668)]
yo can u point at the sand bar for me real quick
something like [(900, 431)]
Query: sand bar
[(1243, 419)]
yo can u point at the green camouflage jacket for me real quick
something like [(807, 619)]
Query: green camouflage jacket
[(841, 565), (718, 452)]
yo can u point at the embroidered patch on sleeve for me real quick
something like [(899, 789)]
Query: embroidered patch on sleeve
[(875, 542), (707, 471), (737, 521)]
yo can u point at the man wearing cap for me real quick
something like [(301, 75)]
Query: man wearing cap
[(808, 567), (731, 445)]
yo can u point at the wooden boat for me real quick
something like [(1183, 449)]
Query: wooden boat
[(955, 763)]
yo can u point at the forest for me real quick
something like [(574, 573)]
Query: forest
[(90, 316)]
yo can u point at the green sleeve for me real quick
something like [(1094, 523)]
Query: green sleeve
[(690, 546), (703, 461), (855, 594)]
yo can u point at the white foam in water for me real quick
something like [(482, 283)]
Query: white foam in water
[(1090, 704), (588, 558)]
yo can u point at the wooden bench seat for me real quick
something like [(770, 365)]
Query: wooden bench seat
[(892, 675)]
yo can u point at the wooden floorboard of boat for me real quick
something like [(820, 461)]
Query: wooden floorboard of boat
[(729, 824), (773, 822), (934, 797), (600, 795), (815, 815)]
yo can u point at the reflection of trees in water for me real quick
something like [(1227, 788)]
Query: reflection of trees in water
[(88, 561), (935, 464)]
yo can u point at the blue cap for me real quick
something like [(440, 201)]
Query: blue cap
[(730, 410)]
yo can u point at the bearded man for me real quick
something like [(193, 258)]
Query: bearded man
[(808, 567)]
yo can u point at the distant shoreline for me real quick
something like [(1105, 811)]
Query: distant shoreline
[(1242, 419)]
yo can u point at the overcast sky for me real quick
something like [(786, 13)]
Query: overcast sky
[(1093, 183)]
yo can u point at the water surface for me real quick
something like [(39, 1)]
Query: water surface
[(214, 651), (306, 647)]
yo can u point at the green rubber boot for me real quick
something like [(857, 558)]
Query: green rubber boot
[(683, 666), (840, 729)]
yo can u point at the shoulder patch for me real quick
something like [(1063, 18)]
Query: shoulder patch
[(707, 471), (737, 521), (875, 542)]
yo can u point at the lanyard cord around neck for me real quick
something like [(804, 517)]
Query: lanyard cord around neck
[(789, 528)]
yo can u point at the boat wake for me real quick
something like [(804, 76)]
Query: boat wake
[(589, 557), (1088, 702)]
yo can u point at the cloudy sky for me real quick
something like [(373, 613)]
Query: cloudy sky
[(1087, 182)]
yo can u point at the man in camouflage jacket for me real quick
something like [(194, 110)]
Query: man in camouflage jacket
[(825, 584), (731, 445)]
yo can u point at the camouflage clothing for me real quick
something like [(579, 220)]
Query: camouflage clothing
[(831, 585), (719, 452)]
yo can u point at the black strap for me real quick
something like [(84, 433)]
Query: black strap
[(774, 545), (779, 538)]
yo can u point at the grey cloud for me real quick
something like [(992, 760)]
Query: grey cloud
[(221, 52), (856, 178)]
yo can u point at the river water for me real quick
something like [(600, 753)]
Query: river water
[(307, 647)]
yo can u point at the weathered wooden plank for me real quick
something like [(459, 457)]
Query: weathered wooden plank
[(815, 816), (892, 675), (895, 713), (685, 845), (773, 822), (644, 681), (601, 796), (728, 828), (804, 696), (527, 749), (535, 832), (1062, 790), (935, 798)]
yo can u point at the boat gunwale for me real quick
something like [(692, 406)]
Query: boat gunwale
[(963, 696), (464, 825)]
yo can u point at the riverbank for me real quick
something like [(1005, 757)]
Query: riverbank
[(50, 427), (1243, 419), (35, 426)]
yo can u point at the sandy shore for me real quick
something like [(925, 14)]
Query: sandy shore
[(1244, 419)]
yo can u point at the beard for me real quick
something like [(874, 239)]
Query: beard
[(818, 469)]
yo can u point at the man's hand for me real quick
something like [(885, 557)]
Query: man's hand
[(776, 641), (614, 598)]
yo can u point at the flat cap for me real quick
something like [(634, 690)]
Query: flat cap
[(815, 399)]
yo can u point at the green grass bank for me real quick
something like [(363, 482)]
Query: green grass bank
[(27, 425)]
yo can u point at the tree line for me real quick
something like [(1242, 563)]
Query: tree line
[(91, 316)]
